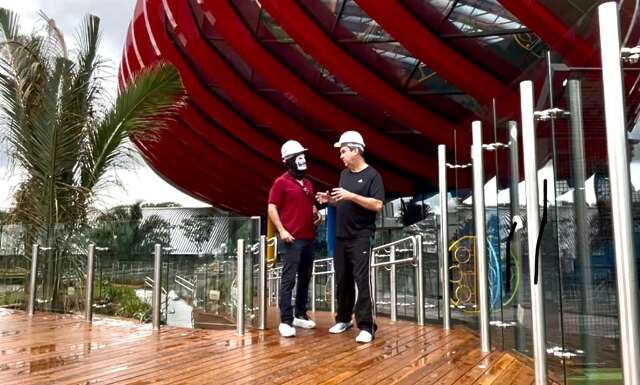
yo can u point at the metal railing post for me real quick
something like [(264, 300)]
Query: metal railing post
[(313, 288), (333, 292), (240, 289), (579, 173), (262, 284), (372, 271), (617, 152), (270, 281), (392, 285), (533, 228), (156, 300), (88, 310), (419, 281), (31, 305), (481, 242), (444, 235)]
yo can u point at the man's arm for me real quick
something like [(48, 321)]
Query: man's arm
[(272, 210), (372, 204), (368, 203)]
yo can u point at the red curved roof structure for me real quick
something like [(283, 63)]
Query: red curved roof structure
[(407, 74)]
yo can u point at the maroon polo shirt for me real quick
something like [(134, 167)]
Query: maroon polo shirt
[(295, 205)]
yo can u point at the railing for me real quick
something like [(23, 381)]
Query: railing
[(324, 267), (269, 279), (332, 278), (189, 286), (274, 276), (390, 251)]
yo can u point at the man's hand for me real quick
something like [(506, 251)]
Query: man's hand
[(323, 197), (339, 194), (286, 237)]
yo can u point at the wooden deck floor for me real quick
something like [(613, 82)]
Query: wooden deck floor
[(62, 349)]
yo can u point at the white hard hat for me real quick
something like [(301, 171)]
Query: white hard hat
[(348, 137), (291, 147)]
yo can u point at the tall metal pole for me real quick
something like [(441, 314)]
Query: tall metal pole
[(374, 288), (444, 235), (31, 305), (333, 292), (583, 251), (533, 228), (313, 289), (481, 236), (88, 302), (392, 286), (155, 300), (240, 291), (419, 282), (262, 284), (618, 157)]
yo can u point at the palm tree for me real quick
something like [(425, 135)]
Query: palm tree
[(60, 130)]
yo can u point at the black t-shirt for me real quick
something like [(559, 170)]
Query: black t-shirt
[(353, 220)]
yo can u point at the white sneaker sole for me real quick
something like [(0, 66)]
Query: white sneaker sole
[(304, 326)]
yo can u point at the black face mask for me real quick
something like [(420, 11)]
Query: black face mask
[(296, 167)]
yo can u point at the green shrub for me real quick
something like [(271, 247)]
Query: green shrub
[(122, 302), (12, 298)]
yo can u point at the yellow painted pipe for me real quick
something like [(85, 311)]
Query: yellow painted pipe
[(271, 232)]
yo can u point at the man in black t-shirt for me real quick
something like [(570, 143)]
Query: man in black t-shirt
[(357, 200)]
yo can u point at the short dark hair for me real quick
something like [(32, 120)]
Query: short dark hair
[(358, 147)]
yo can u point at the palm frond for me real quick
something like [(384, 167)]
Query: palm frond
[(84, 89), (9, 25), (57, 42), (142, 109)]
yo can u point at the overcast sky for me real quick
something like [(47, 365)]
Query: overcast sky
[(141, 184)]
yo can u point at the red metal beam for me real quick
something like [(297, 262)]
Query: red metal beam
[(437, 55), (279, 122), (221, 170), (202, 132), (200, 95), (473, 48), (173, 171), (216, 108), (217, 182), (561, 38), (230, 26)]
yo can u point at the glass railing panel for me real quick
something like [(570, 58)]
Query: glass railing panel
[(15, 266), (123, 260), (200, 272)]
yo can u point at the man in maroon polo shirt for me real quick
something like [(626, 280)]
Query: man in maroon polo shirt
[(292, 211)]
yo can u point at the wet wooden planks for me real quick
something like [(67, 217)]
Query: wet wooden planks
[(63, 349)]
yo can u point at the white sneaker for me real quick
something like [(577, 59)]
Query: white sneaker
[(287, 330), (340, 327), (364, 337), (305, 323)]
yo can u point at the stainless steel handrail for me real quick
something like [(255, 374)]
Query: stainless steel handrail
[(386, 245), (415, 260)]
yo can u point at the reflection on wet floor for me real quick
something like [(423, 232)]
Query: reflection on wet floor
[(58, 348)]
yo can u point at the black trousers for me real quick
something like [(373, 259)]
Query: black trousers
[(297, 259), (351, 263)]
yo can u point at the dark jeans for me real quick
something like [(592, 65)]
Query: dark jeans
[(351, 262), (297, 260)]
